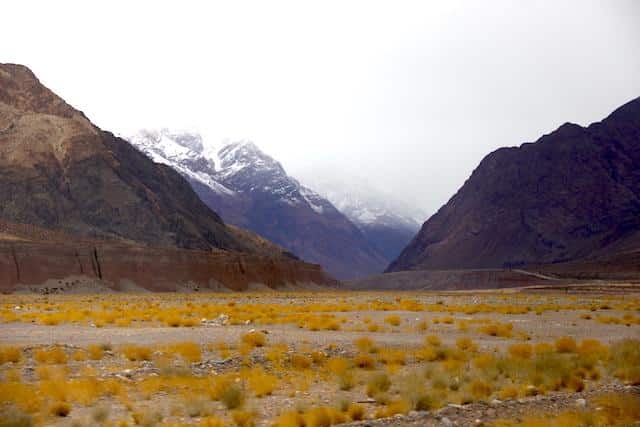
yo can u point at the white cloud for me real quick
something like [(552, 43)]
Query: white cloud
[(410, 94)]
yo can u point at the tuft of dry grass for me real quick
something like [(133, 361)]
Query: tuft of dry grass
[(355, 412), (300, 361), (393, 320), (10, 354), (60, 409), (254, 339), (625, 361), (378, 383), (54, 355), (365, 345), (364, 361), (232, 396), (262, 383), (96, 352), (136, 353), (497, 329), (188, 351), (566, 345), (521, 351)]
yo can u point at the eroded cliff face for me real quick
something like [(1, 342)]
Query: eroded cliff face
[(123, 267)]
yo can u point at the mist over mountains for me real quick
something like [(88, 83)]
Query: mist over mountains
[(250, 189)]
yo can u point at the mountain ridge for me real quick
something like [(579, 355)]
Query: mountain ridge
[(569, 195), (252, 190)]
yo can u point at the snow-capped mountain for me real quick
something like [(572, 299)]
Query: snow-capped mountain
[(183, 151), (250, 189), (387, 222)]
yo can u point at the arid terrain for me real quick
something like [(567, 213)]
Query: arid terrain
[(571, 355)]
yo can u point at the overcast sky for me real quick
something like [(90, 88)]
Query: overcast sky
[(409, 95)]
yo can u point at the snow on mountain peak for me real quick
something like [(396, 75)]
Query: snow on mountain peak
[(238, 155), (232, 167), (183, 151)]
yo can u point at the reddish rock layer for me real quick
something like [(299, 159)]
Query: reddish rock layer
[(159, 269)]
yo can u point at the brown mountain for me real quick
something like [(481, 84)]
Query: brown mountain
[(62, 174), (570, 198)]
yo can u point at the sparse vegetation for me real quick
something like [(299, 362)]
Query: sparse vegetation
[(229, 374)]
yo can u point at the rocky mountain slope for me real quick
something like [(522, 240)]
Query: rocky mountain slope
[(386, 222), (59, 172), (572, 197), (252, 190)]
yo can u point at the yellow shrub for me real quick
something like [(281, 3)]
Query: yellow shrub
[(393, 357), (337, 365), (211, 421), (566, 345), (543, 348), (521, 351), (433, 340), (53, 355), (463, 325), (625, 360), (223, 349), (79, 356), (60, 409), (422, 326), (300, 361), (12, 375), (394, 408), (261, 383), (289, 419), (318, 357), (619, 409), (591, 347), (364, 361), (504, 330), (378, 383), (448, 320), (509, 392), (136, 353), (355, 412), (189, 351), (466, 344), (95, 352), (123, 322), (254, 339), (10, 354), (365, 345), (243, 418), (47, 372), (483, 361), (173, 320), (317, 417), (427, 353), (231, 396), (480, 389), (393, 320)]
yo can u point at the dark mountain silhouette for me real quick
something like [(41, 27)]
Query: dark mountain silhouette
[(573, 195)]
